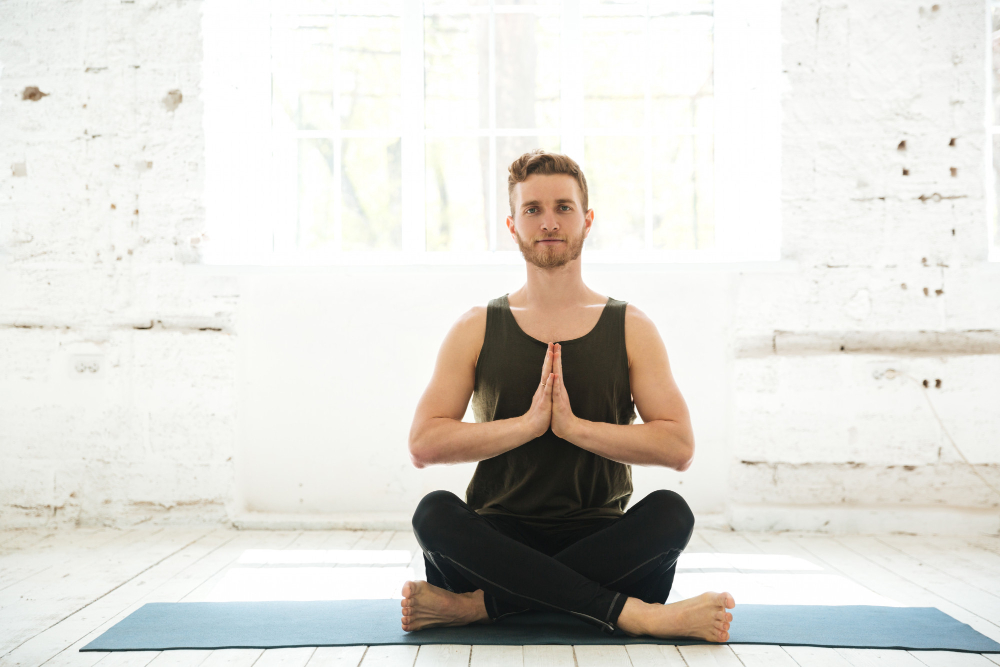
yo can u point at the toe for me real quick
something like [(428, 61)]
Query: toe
[(729, 617), (730, 601)]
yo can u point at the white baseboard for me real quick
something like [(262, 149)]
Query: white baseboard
[(338, 521), (865, 519)]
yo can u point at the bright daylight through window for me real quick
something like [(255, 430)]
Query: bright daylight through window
[(993, 127), (380, 131)]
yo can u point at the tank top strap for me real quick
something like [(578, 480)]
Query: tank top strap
[(616, 310), (497, 315)]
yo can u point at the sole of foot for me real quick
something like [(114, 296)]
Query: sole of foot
[(425, 605)]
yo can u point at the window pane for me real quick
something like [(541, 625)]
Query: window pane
[(430, 4), (371, 194), (342, 7), (304, 53), (527, 70), (368, 7), (613, 166), (369, 72), (316, 205), (619, 5), (456, 71), (455, 192), (996, 190), (508, 150), (996, 65), (614, 71), (537, 3), (682, 70), (683, 202)]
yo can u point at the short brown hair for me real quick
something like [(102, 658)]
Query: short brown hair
[(539, 161)]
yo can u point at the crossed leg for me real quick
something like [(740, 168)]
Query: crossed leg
[(618, 575)]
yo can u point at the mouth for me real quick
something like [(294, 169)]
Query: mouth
[(550, 241)]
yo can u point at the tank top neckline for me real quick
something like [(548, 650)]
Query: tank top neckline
[(507, 310)]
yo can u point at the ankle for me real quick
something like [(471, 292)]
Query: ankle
[(633, 617), (476, 606)]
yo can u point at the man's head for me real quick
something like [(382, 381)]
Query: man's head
[(549, 218)]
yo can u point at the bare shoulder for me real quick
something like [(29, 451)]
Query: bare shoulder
[(468, 333), (641, 335), (472, 318)]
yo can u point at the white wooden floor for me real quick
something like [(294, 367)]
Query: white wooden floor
[(61, 588)]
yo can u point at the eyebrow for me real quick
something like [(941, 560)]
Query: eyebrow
[(535, 202)]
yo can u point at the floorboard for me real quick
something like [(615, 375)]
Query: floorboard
[(752, 655), (59, 589), (337, 656), (497, 656)]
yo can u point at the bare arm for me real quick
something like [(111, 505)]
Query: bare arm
[(665, 437), (438, 434)]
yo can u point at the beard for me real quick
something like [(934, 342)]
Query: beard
[(550, 257)]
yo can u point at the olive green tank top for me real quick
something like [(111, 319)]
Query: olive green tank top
[(549, 480)]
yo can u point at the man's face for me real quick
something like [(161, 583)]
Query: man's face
[(549, 224)]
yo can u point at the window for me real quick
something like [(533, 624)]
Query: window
[(993, 127), (380, 131)]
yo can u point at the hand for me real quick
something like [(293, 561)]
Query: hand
[(563, 419), (539, 415)]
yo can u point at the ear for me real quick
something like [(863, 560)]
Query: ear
[(510, 228), (588, 220)]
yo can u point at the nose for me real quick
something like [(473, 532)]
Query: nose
[(549, 222)]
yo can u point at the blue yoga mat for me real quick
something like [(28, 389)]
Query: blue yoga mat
[(210, 625)]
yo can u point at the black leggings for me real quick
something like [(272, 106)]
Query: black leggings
[(588, 568)]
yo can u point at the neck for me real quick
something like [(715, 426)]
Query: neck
[(554, 289)]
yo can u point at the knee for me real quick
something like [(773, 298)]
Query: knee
[(674, 515), (433, 512)]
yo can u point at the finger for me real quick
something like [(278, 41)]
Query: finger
[(549, 384), (558, 360), (547, 364)]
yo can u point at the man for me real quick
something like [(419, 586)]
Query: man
[(554, 370)]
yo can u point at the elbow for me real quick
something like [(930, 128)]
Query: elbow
[(420, 457), (686, 458), (677, 448)]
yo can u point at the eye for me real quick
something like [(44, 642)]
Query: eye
[(565, 207), (530, 209)]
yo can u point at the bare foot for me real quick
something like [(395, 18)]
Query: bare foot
[(427, 606), (704, 617)]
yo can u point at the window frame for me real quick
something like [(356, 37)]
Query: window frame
[(741, 134), (992, 135)]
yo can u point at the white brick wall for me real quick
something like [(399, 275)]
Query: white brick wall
[(885, 261), (96, 223), (101, 198)]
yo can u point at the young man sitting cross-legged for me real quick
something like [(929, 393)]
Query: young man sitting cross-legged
[(554, 371)]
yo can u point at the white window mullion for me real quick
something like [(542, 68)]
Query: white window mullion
[(491, 167), (412, 70), (338, 189), (284, 151), (571, 82), (989, 164), (647, 115), (747, 70)]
